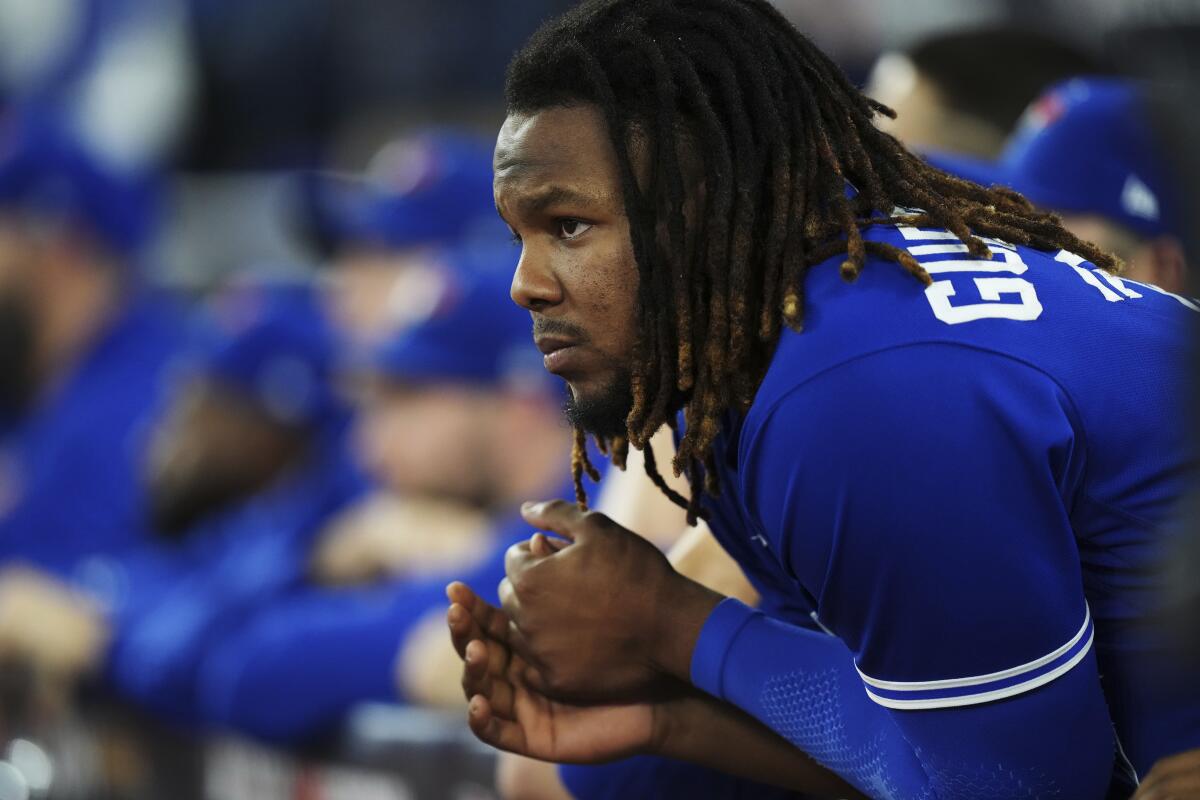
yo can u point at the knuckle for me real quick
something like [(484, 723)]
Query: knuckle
[(505, 591), (597, 519)]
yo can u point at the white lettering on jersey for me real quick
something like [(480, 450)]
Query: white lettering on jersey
[(1093, 278), (999, 298), (993, 290), (1076, 263)]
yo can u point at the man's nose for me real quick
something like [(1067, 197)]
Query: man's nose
[(535, 286)]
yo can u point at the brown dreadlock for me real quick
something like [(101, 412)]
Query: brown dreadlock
[(782, 131)]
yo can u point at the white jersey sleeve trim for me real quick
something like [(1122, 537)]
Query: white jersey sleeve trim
[(984, 688)]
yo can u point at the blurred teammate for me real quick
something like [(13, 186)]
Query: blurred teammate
[(384, 233), (457, 407), (963, 91), (244, 470), (954, 494), (84, 350), (1086, 150)]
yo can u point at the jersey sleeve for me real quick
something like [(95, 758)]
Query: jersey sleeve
[(921, 495), (298, 665), (285, 675), (652, 776)]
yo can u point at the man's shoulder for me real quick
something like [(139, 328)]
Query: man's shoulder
[(1046, 310)]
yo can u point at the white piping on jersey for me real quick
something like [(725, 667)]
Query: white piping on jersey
[(986, 697), (954, 683)]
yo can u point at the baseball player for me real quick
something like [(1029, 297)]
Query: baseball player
[(928, 422)]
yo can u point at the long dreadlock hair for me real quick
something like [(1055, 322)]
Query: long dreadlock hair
[(730, 90)]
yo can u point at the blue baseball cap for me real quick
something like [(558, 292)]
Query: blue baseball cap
[(1085, 146), (473, 334), (46, 172), (275, 346), (431, 188)]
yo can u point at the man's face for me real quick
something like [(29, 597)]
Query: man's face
[(213, 449), (925, 119), (428, 440), (374, 292), (557, 186)]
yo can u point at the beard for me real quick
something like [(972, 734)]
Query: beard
[(602, 414), (17, 379)]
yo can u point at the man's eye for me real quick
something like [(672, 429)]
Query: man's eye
[(572, 228)]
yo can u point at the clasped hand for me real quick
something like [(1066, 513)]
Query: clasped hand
[(591, 646)]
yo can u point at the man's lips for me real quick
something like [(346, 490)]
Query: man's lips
[(557, 352)]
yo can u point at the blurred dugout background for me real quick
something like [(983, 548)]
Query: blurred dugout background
[(226, 93), (229, 100)]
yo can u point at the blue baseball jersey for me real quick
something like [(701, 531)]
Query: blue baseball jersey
[(964, 487), (70, 469), (299, 664), (170, 606)]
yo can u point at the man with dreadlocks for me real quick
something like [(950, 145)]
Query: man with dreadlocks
[(934, 428)]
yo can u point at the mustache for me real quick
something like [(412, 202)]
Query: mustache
[(542, 326)]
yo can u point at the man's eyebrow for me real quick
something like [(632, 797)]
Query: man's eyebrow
[(542, 199)]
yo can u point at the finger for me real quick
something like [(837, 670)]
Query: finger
[(463, 628), (519, 645), (490, 619), (483, 661), (534, 679), (487, 622), (484, 673), (459, 592), (559, 516), (517, 558), (541, 545), (491, 729), (509, 602), (476, 678), (502, 699), (513, 637)]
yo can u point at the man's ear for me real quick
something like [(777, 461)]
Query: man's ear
[(1162, 262)]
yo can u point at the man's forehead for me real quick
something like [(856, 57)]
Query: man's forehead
[(552, 138)]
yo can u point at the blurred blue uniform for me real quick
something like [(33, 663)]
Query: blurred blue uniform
[(301, 663), (70, 465), (169, 605), (70, 471), (173, 607)]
